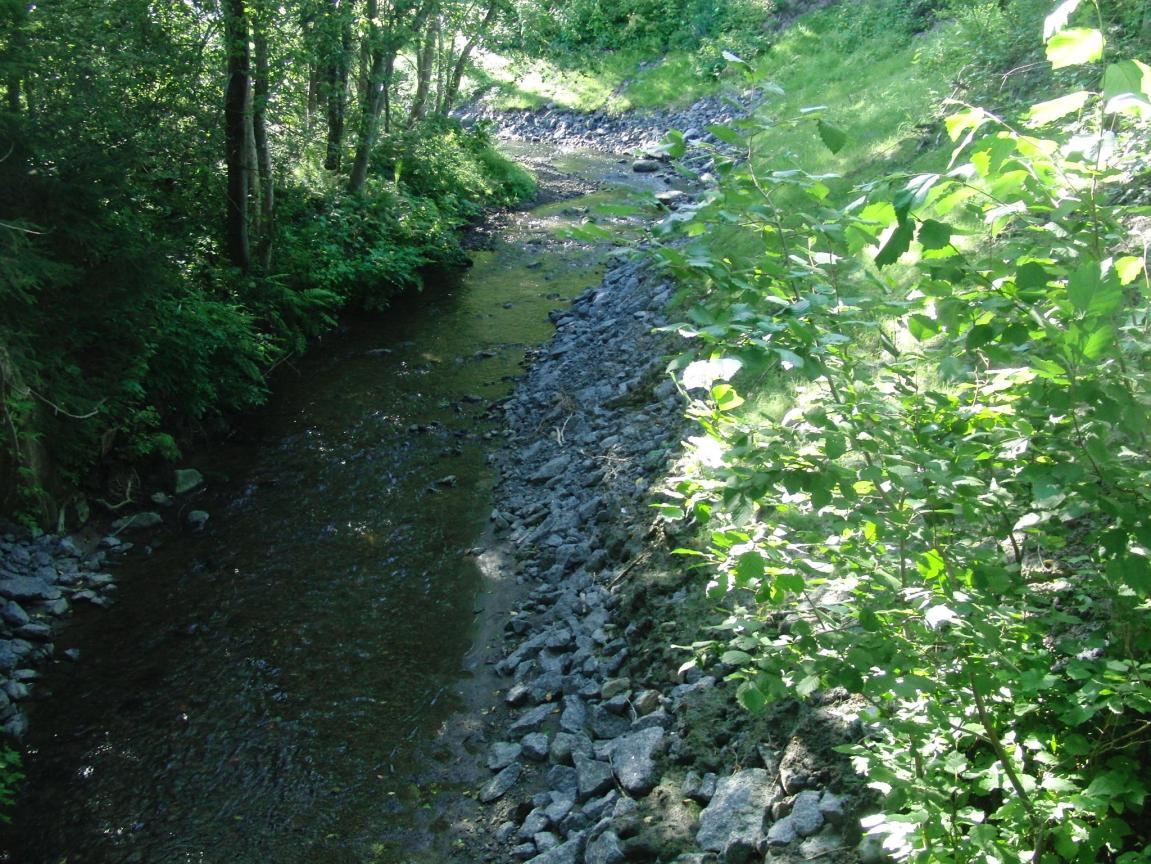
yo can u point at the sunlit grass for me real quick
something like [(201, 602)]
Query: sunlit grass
[(608, 82)]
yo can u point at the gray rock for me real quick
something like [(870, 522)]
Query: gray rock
[(536, 746), (833, 807), (647, 702), (505, 831), (732, 824), (8, 656), (530, 720), (645, 166), (146, 519), (593, 777), (782, 832), (821, 845), (197, 519), (519, 694), (502, 754), (545, 841), (633, 759), (559, 808), (574, 716), (805, 813), (499, 785), (604, 849), (566, 744), (28, 588), (13, 613), (606, 725), (535, 822), (186, 479), (563, 781), (566, 853)]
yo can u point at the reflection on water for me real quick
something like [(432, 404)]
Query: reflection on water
[(268, 691)]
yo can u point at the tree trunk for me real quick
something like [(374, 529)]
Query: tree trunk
[(261, 95), (370, 121), (336, 86), (235, 131), (452, 90), (383, 48), (425, 64)]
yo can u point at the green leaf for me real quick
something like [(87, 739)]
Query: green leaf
[(1031, 277), (1090, 292), (898, 243), (1127, 88), (728, 136), (1134, 571), (808, 685), (934, 235), (726, 399), (735, 658), (1075, 46), (1048, 112), (832, 136), (749, 568), (922, 327), (1129, 269), (750, 697)]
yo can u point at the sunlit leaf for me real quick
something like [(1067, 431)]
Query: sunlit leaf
[(1075, 46), (1127, 88), (1058, 19), (703, 373), (1048, 112)]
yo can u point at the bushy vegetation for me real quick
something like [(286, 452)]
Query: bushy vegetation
[(921, 472), (151, 274), (650, 27)]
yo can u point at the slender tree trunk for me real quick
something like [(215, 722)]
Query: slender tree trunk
[(425, 63), (313, 103), (13, 88), (389, 71), (384, 46), (235, 132), (370, 121), (261, 94), (452, 91)]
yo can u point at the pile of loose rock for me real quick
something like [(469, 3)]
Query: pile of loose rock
[(637, 133), (589, 737), (41, 578)]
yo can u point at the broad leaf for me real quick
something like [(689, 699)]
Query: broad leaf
[(1127, 88), (1052, 110), (934, 235), (728, 136), (1075, 46), (832, 136), (898, 243)]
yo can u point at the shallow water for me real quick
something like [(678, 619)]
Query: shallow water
[(269, 690)]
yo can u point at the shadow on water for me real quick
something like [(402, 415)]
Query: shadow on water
[(269, 690)]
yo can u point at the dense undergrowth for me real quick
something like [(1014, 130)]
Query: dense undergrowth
[(922, 389), (131, 318)]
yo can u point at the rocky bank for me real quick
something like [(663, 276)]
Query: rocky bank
[(608, 750)]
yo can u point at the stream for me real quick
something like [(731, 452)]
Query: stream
[(274, 689)]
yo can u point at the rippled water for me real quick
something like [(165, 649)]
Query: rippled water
[(268, 691)]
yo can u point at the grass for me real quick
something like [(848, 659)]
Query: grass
[(608, 82)]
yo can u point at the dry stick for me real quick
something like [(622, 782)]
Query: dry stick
[(1008, 766)]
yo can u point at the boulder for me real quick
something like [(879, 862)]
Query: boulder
[(633, 759), (733, 823)]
